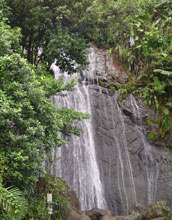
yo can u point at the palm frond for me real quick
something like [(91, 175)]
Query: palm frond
[(13, 202)]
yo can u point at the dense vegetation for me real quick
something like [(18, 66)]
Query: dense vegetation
[(138, 34), (48, 26), (30, 126), (36, 33)]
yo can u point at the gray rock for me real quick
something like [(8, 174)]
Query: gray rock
[(73, 215), (85, 217), (73, 199), (139, 209), (158, 210), (106, 70), (96, 214), (165, 218), (130, 169), (108, 218), (120, 77), (133, 216)]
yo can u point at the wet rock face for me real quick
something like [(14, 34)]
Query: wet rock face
[(104, 68), (111, 165), (131, 169)]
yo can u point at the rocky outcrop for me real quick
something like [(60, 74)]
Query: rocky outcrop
[(73, 199), (158, 210), (105, 69), (155, 211), (96, 214), (132, 170), (111, 165)]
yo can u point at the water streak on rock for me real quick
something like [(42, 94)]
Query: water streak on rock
[(152, 167), (111, 165)]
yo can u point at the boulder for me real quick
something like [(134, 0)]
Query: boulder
[(106, 217), (160, 218), (73, 215), (132, 216), (157, 210), (73, 199), (85, 217), (73, 212), (98, 214), (139, 208)]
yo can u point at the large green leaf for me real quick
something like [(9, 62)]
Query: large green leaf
[(163, 72)]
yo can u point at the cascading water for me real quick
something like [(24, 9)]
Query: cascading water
[(111, 165), (130, 170), (83, 174), (152, 167)]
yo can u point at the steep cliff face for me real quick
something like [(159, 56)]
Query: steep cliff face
[(111, 165)]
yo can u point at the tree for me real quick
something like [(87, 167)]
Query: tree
[(29, 123), (46, 26), (30, 126)]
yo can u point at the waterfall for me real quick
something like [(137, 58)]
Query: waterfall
[(152, 167), (130, 170), (80, 168), (110, 165)]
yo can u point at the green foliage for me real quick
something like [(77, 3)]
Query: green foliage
[(101, 83), (29, 123), (150, 136), (148, 121), (139, 33), (167, 212), (38, 203), (163, 72), (46, 31), (30, 126), (9, 39), (108, 85), (38, 208), (13, 203), (166, 125), (47, 24), (4, 11)]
